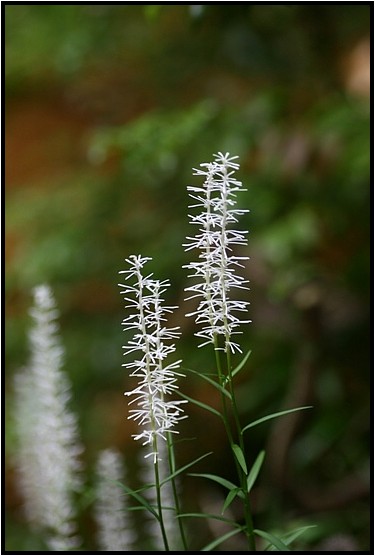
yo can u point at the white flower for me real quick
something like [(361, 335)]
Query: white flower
[(155, 413), (216, 270), (48, 452), (114, 531)]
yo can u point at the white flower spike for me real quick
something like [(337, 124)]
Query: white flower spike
[(115, 533), (215, 272), (155, 413), (48, 453)]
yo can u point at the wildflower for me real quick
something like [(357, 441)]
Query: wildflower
[(114, 531), (155, 413), (216, 270), (48, 451)]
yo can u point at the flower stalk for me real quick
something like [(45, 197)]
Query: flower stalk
[(156, 414), (215, 276)]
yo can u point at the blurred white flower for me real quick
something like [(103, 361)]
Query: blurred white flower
[(215, 272), (155, 414), (115, 534), (48, 449)]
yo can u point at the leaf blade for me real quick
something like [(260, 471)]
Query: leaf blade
[(211, 381), (221, 539), (223, 482), (240, 457), (275, 541), (241, 364), (139, 499), (182, 469), (230, 497), (254, 471), (200, 404), (274, 416)]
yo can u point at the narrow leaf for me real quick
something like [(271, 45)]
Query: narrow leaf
[(274, 415), (182, 469), (200, 404), (210, 516), (293, 535), (253, 474), (140, 499), (240, 457), (241, 364), (221, 539), (231, 496), (275, 541), (212, 382), (216, 478)]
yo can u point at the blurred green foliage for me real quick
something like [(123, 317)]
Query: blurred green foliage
[(157, 89)]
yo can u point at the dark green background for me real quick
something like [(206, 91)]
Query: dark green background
[(107, 110)]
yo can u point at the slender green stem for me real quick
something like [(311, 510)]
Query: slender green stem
[(158, 500), (242, 475), (172, 468), (223, 397)]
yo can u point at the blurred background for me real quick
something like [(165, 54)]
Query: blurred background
[(108, 108)]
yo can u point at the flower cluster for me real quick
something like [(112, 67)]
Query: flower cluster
[(114, 531), (156, 414), (216, 270), (48, 450)]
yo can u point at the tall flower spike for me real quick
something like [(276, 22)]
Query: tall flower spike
[(155, 413), (114, 531), (215, 272), (48, 450)]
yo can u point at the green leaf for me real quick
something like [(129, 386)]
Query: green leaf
[(240, 457), (139, 499), (275, 541), (211, 381), (231, 496), (293, 535), (274, 415), (200, 404), (182, 469), (253, 474), (221, 539), (216, 478), (241, 364), (211, 516)]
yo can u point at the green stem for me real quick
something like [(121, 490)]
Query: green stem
[(223, 397), (158, 499), (242, 474), (172, 468)]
